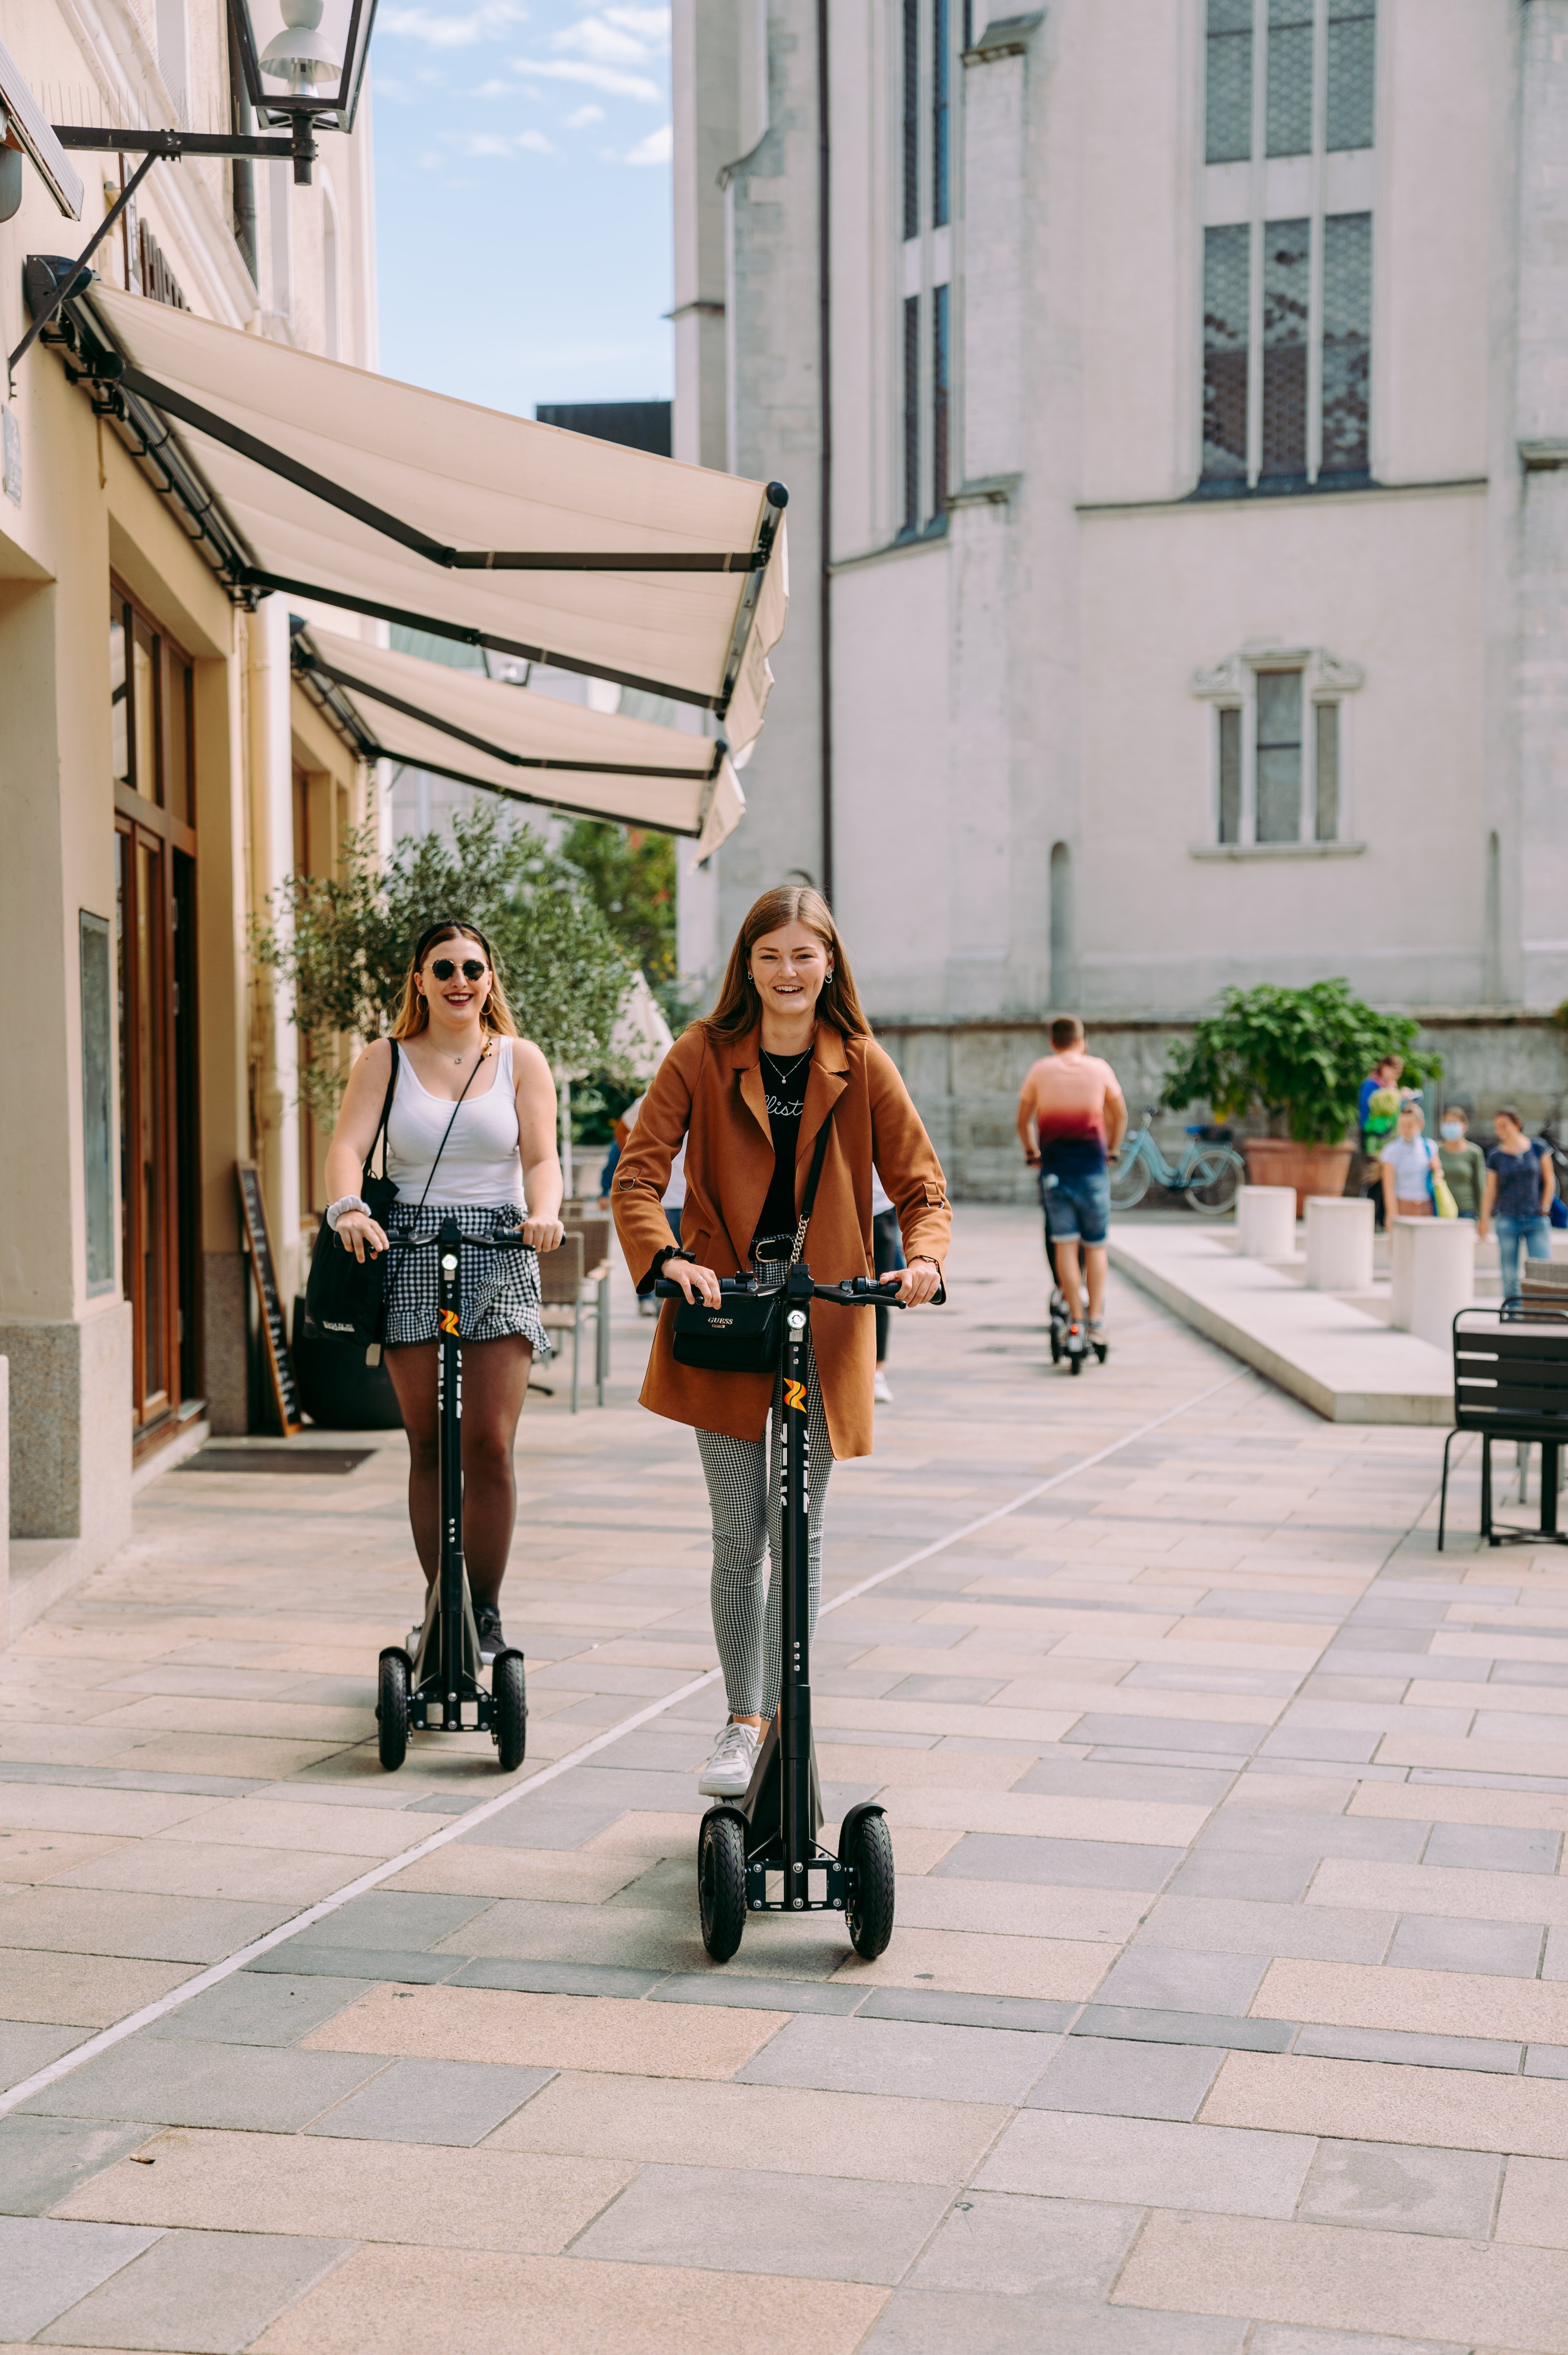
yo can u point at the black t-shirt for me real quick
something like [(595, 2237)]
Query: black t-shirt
[(784, 1083)]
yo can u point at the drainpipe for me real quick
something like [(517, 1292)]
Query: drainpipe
[(825, 347), (243, 123)]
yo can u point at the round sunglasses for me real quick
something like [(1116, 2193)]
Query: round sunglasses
[(444, 968)]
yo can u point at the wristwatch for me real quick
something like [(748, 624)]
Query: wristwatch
[(347, 1202)]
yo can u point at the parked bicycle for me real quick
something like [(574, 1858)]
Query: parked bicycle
[(1207, 1174)]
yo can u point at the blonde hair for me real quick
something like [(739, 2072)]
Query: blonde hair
[(411, 1014), (738, 1011)]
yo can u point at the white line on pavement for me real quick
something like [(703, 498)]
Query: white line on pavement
[(187, 1988)]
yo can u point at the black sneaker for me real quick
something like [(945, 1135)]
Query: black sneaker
[(491, 1639)]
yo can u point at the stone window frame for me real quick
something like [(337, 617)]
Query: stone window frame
[(1230, 685)]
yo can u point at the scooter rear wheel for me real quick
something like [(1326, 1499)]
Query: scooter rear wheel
[(509, 1710), (869, 1916), (1075, 1360), (721, 1883), (392, 1710)]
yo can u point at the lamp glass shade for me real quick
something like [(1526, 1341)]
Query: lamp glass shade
[(304, 56)]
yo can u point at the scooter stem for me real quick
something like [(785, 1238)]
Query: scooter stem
[(448, 1414), (796, 1826)]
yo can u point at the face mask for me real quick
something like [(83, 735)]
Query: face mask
[(1453, 1131)]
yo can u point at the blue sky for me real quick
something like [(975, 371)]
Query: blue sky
[(523, 198)]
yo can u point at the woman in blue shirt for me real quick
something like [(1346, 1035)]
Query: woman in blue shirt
[(1520, 1186)]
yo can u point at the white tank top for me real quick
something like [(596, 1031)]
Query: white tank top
[(481, 1164)]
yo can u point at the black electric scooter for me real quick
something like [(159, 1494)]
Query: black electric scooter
[(760, 1854), (1069, 1335), (437, 1690)]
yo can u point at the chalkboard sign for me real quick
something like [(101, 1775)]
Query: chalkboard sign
[(260, 1245)]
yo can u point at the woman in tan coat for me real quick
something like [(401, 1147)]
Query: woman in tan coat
[(786, 1049)]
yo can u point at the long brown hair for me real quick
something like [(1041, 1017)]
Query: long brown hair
[(411, 1014), (738, 1011)]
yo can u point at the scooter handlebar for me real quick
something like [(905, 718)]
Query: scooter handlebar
[(854, 1292)]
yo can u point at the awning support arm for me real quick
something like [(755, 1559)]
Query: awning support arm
[(539, 801), (71, 279)]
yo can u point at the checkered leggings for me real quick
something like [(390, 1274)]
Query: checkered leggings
[(742, 1477)]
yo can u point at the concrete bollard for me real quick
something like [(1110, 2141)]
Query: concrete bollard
[(1434, 1269), (1265, 1222), (1340, 1242)]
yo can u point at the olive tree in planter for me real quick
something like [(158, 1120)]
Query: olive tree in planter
[(1297, 1056)]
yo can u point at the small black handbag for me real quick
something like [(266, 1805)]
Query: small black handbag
[(744, 1335), (345, 1296)]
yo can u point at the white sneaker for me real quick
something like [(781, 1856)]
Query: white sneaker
[(728, 1768), (879, 1390)]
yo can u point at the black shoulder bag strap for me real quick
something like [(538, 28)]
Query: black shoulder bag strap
[(809, 1199), (441, 1148)]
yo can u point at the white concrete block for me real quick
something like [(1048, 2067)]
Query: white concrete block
[(1340, 1242), (1434, 1275), (1265, 1222)]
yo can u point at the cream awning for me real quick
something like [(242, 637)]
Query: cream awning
[(531, 747), (356, 491)]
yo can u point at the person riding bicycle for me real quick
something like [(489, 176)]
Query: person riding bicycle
[(785, 1051), (472, 1134), (1072, 1119)]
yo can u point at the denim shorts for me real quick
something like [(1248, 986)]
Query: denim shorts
[(1077, 1204)]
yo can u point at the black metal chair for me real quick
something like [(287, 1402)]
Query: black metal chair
[(1510, 1381)]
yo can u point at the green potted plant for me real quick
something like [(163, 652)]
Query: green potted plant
[(1296, 1057)]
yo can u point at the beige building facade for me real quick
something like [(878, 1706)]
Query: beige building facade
[(160, 774), (1173, 398)]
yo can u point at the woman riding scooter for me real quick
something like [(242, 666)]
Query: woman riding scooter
[(471, 1134), (785, 1049)]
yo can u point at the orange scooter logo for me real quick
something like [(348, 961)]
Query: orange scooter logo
[(794, 1396), (449, 1321)]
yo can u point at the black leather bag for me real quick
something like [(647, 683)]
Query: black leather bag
[(346, 1297), (744, 1335)]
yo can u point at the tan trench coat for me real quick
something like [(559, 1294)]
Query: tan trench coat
[(714, 1097)]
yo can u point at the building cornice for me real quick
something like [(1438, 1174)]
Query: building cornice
[(1264, 502)]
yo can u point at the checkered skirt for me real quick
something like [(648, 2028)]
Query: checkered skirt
[(500, 1289)]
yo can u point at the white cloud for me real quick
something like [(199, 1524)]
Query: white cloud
[(484, 23), (493, 89), (536, 141), (609, 79), (648, 24), (500, 142), (581, 116), (607, 44), (658, 147)]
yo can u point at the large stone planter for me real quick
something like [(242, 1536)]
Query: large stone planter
[(1310, 1168)]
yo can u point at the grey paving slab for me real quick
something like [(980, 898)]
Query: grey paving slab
[(1239, 1872), (1435, 1942), (817, 2227), (1007, 2243), (936, 2322), (47, 2266), (895, 2056), (764, 1994), (1069, 1864), (209, 2293), (1404, 2188), (448, 1803), (1114, 2077), (207, 2086), (1266, 1831), (457, 2102), (1215, 2170), (1088, 1779), (545, 1822), (1493, 1847), (1546, 2060), (1529, 1672), (1156, 1676), (396, 1918), (43, 2159), (1172, 1980), (125, 1778), (657, 1750), (1358, 1660), (26, 2046), (1410, 2048), (1189, 1735), (1152, 2026), (1178, 1760), (1285, 2338), (556, 1979), (260, 2008), (1331, 1743), (303, 1958), (971, 1689), (1032, 2012)]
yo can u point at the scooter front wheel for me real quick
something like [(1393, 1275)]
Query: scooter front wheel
[(509, 1710), (722, 1882), (868, 1915), (392, 1710)]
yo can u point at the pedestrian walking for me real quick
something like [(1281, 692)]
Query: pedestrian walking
[(786, 1053), (1408, 1162), (1464, 1165), (1072, 1119), (1377, 1113), (1521, 1183), (470, 1133)]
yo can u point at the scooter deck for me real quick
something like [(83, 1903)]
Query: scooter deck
[(432, 1707), (823, 1878)]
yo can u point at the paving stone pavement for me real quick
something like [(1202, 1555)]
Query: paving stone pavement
[(1227, 2010)]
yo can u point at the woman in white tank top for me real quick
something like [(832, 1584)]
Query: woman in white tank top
[(471, 1135)]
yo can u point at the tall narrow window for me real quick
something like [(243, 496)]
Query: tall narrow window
[(1288, 249), (1229, 126), (1289, 103), (1226, 280), (940, 390), (1326, 765), (912, 117), (1230, 772), (96, 1100), (1352, 33), (912, 413), (939, 114), (1279, 756), (1347, 342)]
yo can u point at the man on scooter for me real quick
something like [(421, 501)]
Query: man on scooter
[(1071, 1120)]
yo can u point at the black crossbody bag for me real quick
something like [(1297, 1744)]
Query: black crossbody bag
[(744, 1335)]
